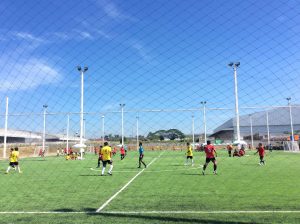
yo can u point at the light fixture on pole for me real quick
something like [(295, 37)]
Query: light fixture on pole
[(81, 145), (204, 119), (235, 65), (44, 130), (291, 120), (122, 105)]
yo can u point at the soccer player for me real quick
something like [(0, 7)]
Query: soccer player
[(211, 155), (261, 152), (189, 154), (106, 158), (99, 157), (122, 152), (14, 160), (141, 152), (229, 149)]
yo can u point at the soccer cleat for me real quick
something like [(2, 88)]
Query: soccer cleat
[(109, 173), (138, 167), (145, 166), (20, 172), (215, 172), (203, 172)]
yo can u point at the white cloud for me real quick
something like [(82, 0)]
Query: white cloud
[(113, 11), (27, 37), (26, 74)]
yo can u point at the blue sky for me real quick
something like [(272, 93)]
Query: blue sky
[(147, 54)]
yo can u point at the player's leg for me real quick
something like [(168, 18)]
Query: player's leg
[(9, 167), (143, 163), (103, 167), (111, 167), (98, 164), (205, 165), (262, 161), (215, 165), (192, 160), (140, 160), (187, 160)]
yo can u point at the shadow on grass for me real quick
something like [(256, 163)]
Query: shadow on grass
[(164, 218)]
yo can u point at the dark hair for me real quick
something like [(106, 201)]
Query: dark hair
[(11, 149), (140, 144), (105, 143), (16, 148), (187, 143), (208, 142)]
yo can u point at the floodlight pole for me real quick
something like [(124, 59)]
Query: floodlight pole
[(103, 130), (44, 131), (204, 119), (82, 71), (268, 129), (137, 131), (68, 126), (193, 131), (122, 114), (251, 130), (235, 66), (5, 128), (291, 120)]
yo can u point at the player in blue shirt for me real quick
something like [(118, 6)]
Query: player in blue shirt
[(141, 152)]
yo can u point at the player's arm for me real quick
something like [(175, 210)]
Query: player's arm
[(216, 153)]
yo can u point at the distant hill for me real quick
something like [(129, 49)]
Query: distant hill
[(171, 134)]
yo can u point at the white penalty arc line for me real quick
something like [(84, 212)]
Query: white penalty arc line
[(153, 212), (125, 186)]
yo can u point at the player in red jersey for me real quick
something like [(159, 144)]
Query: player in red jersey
[(211, 155), (261, 152)]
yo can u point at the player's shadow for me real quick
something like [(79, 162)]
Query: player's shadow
[(157, 218), (89, 175)]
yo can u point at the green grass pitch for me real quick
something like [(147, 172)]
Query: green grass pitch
[(75, 191)]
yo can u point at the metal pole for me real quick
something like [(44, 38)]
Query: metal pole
[(193, 131), (268, 129), (251, 129), (5, 128), (137, 132), (122, 114), (204, 120), (235, 66), (68, 126), (81, 109), (44, 131), (103, 130), (236, 104), (291, 120)]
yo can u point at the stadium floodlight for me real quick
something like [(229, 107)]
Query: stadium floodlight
[(45, 106), (204, 119), (122, 105), (235, 65), (5, 128), (82, 71), (291, 120)]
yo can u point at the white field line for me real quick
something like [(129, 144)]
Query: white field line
[(156, 212), (125, 186)]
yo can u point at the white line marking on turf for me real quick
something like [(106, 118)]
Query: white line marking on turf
[(151, 171), (125, 186), (153, 212)]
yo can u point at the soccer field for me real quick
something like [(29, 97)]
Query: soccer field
[(58, 191)]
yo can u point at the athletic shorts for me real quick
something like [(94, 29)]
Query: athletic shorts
[(141, 156), (13, 164), (210, 159), (189, 157), (105, 162)]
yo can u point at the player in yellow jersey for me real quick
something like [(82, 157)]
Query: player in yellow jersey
[(106, 158), (14, 160), (189, 154)]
